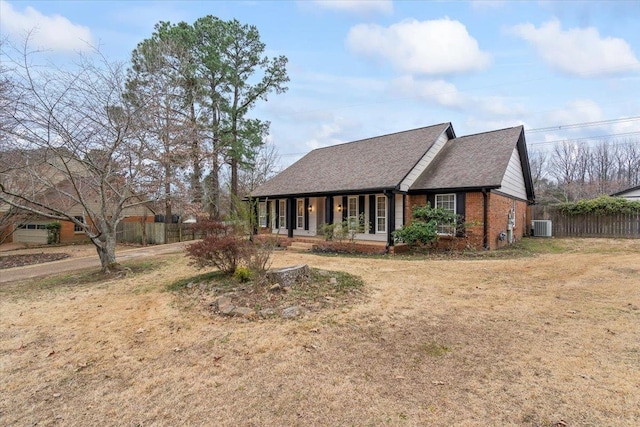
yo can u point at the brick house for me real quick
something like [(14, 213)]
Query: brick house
[(484, 178), (55, 190)]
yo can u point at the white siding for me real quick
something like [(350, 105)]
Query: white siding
[(424, 162), (399, 217), (633, 195), (513, 179), (313, 219)]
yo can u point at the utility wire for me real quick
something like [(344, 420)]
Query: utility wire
[(587, 138), (585, 124)]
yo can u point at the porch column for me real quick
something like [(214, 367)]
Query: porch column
[(328, 210), (291, 215), (391, 217)]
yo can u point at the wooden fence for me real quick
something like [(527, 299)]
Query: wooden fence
[(591, 225), (155, 233)]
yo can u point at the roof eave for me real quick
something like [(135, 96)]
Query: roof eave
[(327, 193)]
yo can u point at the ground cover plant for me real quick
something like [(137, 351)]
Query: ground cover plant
[(550, 339)]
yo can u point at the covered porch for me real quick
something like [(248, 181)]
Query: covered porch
[(373, 216)]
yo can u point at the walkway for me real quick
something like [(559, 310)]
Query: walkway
[(74, 264)]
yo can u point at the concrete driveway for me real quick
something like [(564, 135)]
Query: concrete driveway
[(75, 264)]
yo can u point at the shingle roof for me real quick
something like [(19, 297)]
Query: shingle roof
[(471, 161), (375, 163)]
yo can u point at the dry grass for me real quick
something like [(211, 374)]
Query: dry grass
[(530, 341)]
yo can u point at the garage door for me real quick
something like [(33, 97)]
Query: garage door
[(33, 232)]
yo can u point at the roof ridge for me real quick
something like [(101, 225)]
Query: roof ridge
[(489, 131), (380, 136)]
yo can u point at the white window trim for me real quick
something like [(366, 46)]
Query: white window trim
[(352, 220), (262, 214), (384, 198), (299, 214), (282, 215), (80, 218), (455, 209)]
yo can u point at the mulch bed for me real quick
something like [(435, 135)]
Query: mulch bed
[(9, 261)]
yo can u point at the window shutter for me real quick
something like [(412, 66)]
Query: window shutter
[(460, 210), (431, 199), (277, 213), (306, 213), (291, 216), (361, 210), (268, 213), (372, 213), (345, 207), (328, 208)]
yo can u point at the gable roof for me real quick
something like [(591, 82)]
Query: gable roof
[(476, 161), (626, 191), (370, 164)]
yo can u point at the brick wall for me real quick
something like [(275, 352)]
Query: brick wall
[(499, 206), (67, 235), (498, 211), (411, 201), (6, 233)]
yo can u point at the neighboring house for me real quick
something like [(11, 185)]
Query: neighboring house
[(485, 178), (632, 194), (24, 227)]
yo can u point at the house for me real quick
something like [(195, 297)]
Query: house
[(485, 178), (39, 173), (632, 194)]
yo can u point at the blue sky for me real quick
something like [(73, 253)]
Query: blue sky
[(366, 68)]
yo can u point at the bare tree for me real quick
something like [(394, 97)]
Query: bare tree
[(76, 146), (265, 166)]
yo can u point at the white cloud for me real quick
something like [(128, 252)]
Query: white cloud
[(441, 46), (49, 32), (440, 91), (487, 4), (357, 6), (331, 132), (447, 95), (576, 111), (578, 51)]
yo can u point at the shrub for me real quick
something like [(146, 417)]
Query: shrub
[(424, 226), (220, 247), (53, 232), (605, 205), (225, 248), (243, 274)]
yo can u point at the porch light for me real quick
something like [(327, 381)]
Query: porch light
[(310, 208), (339, 208)]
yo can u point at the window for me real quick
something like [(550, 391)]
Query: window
[(282, 220), (77, 228), (352, 213), (262, 214), (381, 214), (300, 214), (448, 203)]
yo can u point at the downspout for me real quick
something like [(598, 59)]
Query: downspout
[(485, 218)]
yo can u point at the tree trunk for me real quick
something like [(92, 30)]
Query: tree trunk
[(234, 185), (167, 195), (196, 178), (214, 182), (107, 252)]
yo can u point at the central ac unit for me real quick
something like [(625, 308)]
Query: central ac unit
[(541, 228)]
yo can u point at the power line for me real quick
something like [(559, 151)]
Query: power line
[(587, 138), (585, 124)]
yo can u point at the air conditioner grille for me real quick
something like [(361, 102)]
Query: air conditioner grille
[(542, 228)]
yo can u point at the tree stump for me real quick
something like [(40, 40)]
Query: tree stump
[(287, 276)]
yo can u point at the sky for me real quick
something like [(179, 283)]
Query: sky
[(362, 68)]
